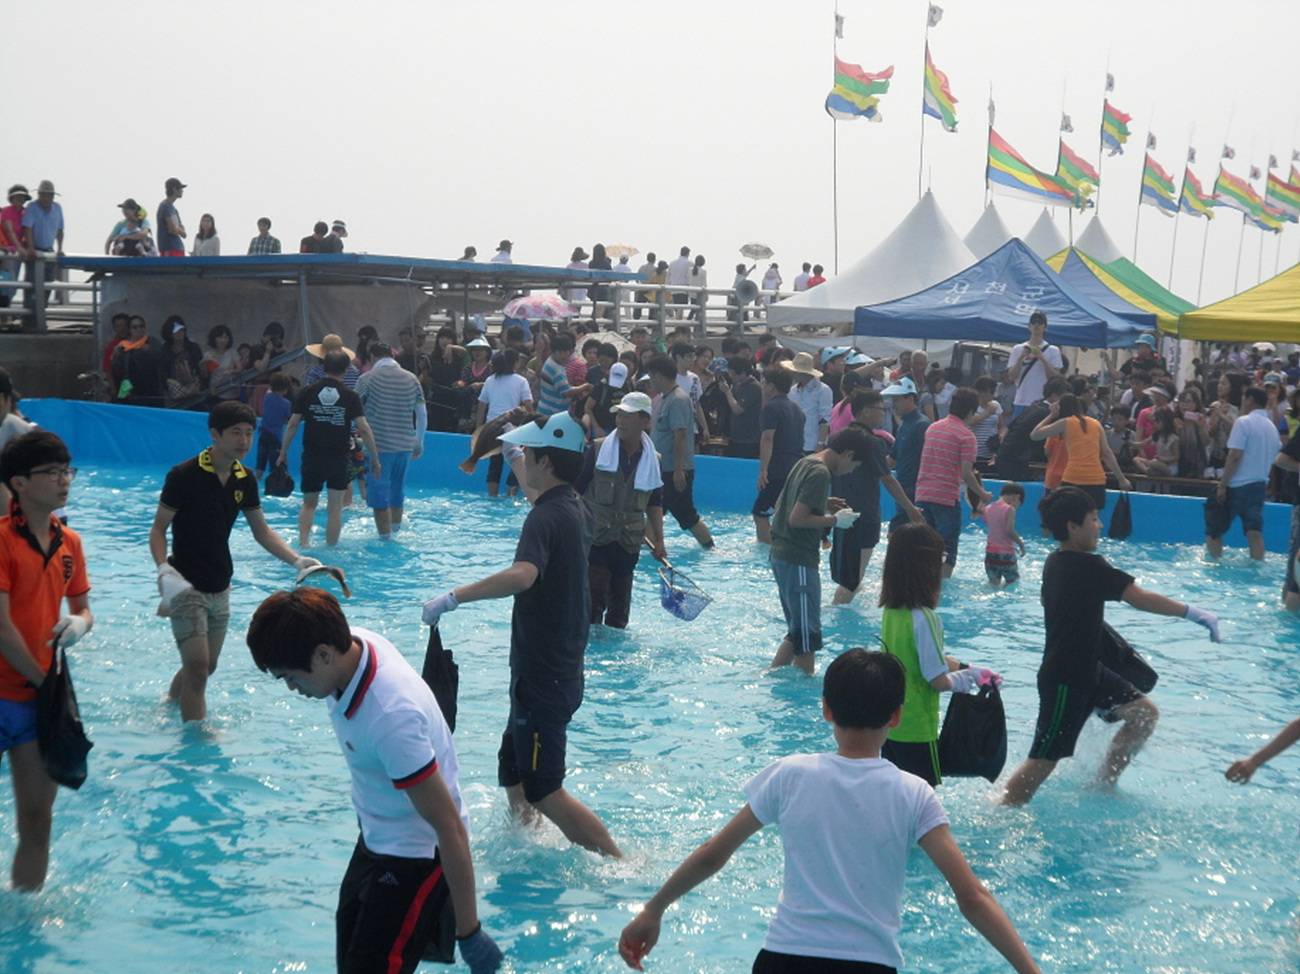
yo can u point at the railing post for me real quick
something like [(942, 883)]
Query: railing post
[(38, 294)]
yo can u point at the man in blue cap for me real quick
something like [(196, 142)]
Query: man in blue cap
[(548, 630)]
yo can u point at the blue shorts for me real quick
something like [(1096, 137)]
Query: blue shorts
[(1247, 502), (946, 519), (1001, 566), (389, 488), (17, 723), (800, 589), (533, 746)]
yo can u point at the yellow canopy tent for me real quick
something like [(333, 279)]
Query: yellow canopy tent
[(1267, 312)]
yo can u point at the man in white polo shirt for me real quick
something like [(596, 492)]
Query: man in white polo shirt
[(1032, 364), (1252, 445), (413, 851)]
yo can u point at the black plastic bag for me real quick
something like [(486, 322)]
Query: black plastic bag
[(1218, 516), (1118, 656), (1121, 519), (279, 483), (59, 732), (443, 676), (973, 741)]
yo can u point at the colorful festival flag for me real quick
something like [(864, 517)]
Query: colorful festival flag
[(1158, 188), (855, 91), (938, 100), (1075, 172), (1235, 192), (1193, 199), (1295, 177), (1007, 172), (1114, 128), (1283, 196)]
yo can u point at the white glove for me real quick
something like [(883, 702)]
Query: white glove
[(68, 630), (171, 583), (963, 681), (1207, 619), (434, 608), (302, 563), (845, 517)]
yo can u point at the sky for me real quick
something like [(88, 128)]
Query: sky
[(433, 125)]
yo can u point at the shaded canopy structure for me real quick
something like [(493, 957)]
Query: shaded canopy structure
[(988, 234), (991, 302), (1131, 284), (1076, 271), (921, 250), (1268, 312), (1043, 238)]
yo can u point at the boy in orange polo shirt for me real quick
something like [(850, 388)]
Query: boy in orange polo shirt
[(41, 564)]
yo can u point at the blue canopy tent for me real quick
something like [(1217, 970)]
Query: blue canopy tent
[(991, 302), (1080, 276)]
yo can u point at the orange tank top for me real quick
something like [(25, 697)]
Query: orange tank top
[(1083, 447)]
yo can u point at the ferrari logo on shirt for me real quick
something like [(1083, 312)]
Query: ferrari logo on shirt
[(239, 497)]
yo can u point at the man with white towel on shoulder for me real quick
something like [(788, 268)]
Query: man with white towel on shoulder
[(624, 489)]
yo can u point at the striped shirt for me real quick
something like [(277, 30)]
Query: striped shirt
[(552, 385), (947, 443), (390, 396)]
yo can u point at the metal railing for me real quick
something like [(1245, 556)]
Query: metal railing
[(45, 298)]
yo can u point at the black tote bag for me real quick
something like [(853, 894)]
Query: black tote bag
[(1121, 519), (279, 482), (1118, 656), (59, 733), (973, 741), (443, 677)]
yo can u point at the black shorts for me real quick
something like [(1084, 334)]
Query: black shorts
[(390, 907), (1063, 710), (1096, 491), (920, 758), (847, 545), (681, 503), (765, 502), (770, 962), (330, 470), (533, 745)]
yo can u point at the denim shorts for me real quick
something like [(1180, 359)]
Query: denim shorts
[(17, 723), (196, 613), (389, 488), (946, 519), (1247, 502)]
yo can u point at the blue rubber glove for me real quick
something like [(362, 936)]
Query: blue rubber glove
[(434, 608), (1207, 619), (480, 952)]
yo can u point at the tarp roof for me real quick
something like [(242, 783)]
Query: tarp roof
[(1078, 273), (1043, 237), (992, 301), (1096, 242), (988, 234), (337, 268), (1267, 312), (921, 250), (1132, 284)]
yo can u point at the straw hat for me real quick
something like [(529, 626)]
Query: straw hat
[(330, 343), (803, 364)]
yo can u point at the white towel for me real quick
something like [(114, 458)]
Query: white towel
[(647, 468)]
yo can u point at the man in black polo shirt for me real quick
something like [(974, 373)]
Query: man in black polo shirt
[(201, 499), (326, 410), (548, 630)]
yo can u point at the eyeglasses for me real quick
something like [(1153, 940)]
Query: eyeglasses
[(55, 473)]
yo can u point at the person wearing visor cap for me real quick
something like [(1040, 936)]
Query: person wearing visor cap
[(548, 630)]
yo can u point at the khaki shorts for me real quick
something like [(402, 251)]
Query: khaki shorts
[(196, 613)]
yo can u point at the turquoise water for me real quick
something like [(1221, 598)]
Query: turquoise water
[(218, 847)]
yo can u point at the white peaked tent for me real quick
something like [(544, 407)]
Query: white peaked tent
[(988, 234), (1096, 242), (922, 250), (1043, 238)]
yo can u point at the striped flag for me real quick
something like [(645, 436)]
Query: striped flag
[(1295, 177), (1193, 199), (1235, 192), (1158, 188), (1283, 196), (855, 91), (1076, 173), (1114, 128), (1008, 173), (938, 100)]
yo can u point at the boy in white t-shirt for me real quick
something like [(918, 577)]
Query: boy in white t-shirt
[(843, 816), (413, 851)]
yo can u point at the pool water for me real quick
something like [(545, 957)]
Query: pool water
[(218, 847)]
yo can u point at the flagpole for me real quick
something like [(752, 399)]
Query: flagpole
[(1106, 87), (1200, 279), (1241, 244), (1173, 247), (835, 155), (920, 162)]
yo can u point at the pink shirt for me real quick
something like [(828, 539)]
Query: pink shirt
[(947, 443), (997, 516), (13, 215)]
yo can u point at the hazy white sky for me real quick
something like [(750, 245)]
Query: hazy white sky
[(431, 125)]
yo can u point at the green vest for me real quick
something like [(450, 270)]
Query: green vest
[(920, 723), (618, 507)]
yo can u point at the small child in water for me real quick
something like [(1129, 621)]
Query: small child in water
[(1000, 563)]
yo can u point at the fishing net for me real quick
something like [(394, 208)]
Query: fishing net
[(679, 595)]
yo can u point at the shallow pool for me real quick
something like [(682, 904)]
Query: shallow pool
[(218, 847)]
